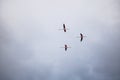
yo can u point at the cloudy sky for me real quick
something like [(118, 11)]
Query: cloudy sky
[(30, 40)]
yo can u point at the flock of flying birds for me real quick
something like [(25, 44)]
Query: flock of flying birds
[(65, 29)]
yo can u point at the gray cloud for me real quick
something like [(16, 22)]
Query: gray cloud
[(30, 40)]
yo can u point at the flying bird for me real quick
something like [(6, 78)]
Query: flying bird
[(81, 37), (64, 28), (66, 47)]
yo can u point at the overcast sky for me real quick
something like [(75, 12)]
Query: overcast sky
[(30, 40)]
